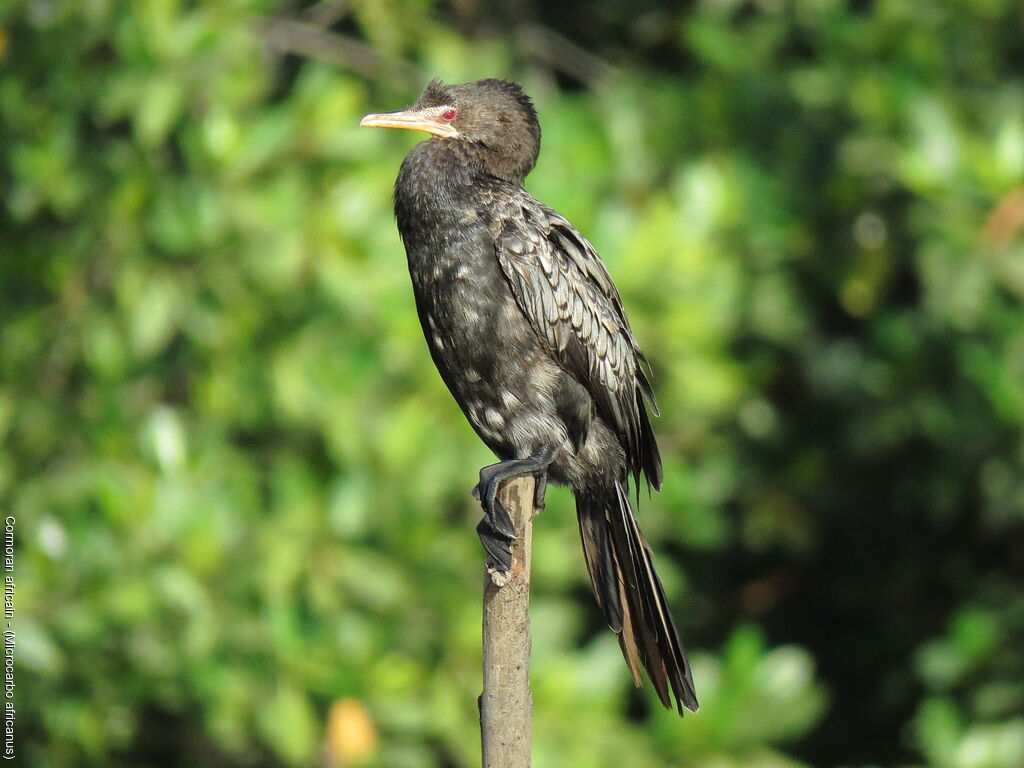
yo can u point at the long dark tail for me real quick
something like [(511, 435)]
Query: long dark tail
[(629, 591)]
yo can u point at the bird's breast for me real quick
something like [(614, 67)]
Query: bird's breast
[(488, 354), (469, 316), (483, 346)]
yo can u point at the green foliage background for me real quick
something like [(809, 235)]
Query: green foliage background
[(241, 490)]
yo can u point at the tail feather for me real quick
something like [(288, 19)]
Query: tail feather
[(603, 569), (629, 592)]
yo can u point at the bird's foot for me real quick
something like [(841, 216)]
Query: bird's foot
[(497, 546), (539, 491), (496, 516), (496, 529)]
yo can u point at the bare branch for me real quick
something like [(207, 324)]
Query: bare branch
[(506, 704), (560, 53), (308, 39)]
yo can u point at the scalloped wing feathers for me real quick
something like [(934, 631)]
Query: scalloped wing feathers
[(564, 290)]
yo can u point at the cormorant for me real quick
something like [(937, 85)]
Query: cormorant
[(529, 333)]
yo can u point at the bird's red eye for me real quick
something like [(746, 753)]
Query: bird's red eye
[(448, 114)]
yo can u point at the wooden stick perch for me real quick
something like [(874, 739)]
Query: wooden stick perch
[(506, 704)]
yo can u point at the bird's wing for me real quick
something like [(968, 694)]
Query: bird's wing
[(564, 290)]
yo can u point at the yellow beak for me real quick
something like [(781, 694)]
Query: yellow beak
[(411, 120)]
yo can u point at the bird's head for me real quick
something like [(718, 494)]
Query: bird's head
[(494, 119)]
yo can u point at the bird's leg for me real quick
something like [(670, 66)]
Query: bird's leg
[(493, 475), (496, 530)]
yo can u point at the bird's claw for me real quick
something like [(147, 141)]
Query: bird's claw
[(496, 529), (539, 491), (495, 514), (500, 520), (497, 546)]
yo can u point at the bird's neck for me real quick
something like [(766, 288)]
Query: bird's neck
[(439, 182)]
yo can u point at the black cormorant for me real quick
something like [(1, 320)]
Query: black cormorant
[(529, 333)]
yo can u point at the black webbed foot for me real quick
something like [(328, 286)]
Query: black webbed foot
[(495, 514), (539, 491), (496, 529), (497, 546)]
